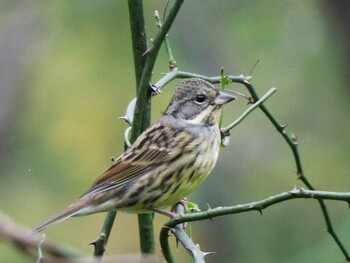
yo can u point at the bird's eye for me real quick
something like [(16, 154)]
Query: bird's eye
[(200, 98)]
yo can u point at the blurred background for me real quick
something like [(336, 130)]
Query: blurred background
[(66, 75)]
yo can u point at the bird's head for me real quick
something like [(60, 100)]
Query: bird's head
[(198, 102)]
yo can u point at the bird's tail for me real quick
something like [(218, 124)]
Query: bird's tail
[(68, 212)]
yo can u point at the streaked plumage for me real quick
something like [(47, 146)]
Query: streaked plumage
[(165, 163)]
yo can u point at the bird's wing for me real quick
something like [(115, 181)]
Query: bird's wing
[(124, 171), (145, 154)]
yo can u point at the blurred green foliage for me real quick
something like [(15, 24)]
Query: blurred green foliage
[(77, 77)]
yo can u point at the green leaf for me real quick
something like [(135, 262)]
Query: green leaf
[(193, 207)]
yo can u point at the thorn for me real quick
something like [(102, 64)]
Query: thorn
[(156, 13), (169, 228), (149, 50), (250, 101), (294, 139), (283, 128), (113, 159), (100, 239), (240, 94), (246, 79), (173, 65), (295, 190), (155, 90), (256, 208), (93, 243), (125, 119), (225, 141), (130, 110), (299, 175), (254, 66), (348, 204), (208, 253)]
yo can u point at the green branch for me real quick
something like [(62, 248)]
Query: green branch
[(101, 242), (181, 236), (141, 118), (143, 95), (254, 206), (139, 47), (249, 110), (291, 140), (259, 205), (293, 143), (138, 37), (172, 62)]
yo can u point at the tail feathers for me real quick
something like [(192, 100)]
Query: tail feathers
[(68, 212)]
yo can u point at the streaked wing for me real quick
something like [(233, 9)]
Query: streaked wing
[(144, 155)]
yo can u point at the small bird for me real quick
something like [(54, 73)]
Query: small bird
[(166, 162)]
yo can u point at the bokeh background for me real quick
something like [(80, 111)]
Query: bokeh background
[(66, 75)]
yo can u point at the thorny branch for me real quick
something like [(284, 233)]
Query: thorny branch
[(291, 140)]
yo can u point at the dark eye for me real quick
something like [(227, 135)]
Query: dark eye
[(200, 98)]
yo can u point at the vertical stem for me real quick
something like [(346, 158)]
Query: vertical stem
[(100, 243), (138, 36), (139, 46)]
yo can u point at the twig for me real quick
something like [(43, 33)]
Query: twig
[(194, 251), (29, 244), (249, 110), (172, 62)]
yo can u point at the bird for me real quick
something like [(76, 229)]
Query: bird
[(165, 163)]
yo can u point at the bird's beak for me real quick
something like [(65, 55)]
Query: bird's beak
[(223, 98)]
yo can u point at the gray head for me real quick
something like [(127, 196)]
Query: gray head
[(197, 101)]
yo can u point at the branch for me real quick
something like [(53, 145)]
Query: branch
[(139, 47), (293, 143), (291, 140), (32, 246), (249, 110), (181, 236), (260, 205), (143, 94), (138, 36), (184, 75), (254, 206), (141, 118), (172, 62), (101, 242)]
